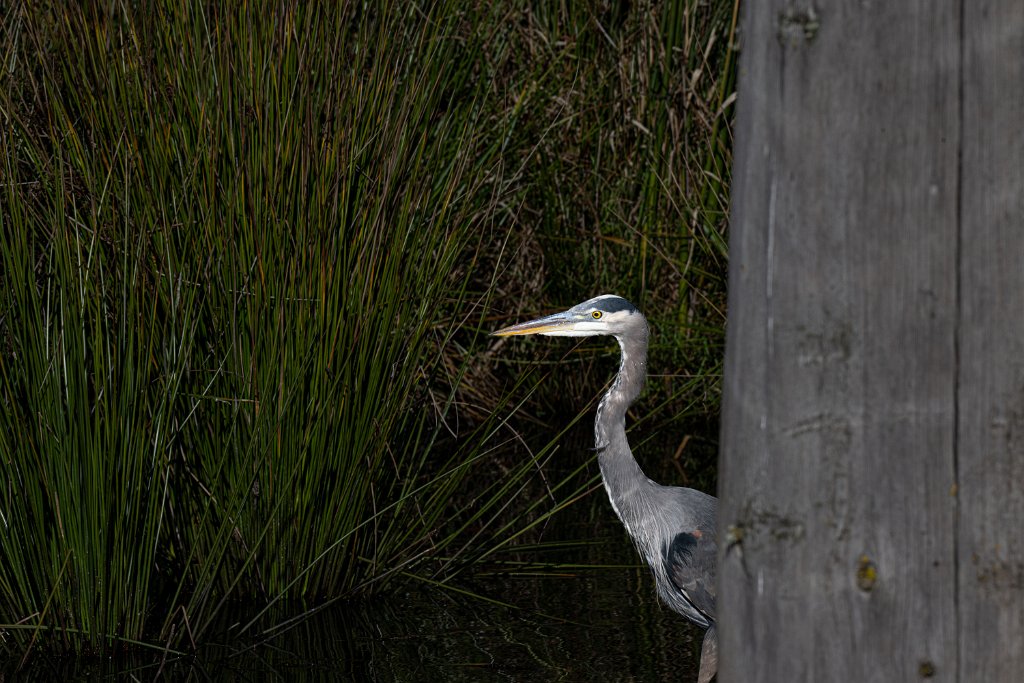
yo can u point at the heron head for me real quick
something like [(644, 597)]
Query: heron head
[(606, 314)]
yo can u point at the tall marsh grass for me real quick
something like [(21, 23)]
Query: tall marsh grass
[(249, 254)]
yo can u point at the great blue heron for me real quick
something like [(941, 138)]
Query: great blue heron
[(672, 527)]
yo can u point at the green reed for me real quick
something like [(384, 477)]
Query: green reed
[(249, 255)]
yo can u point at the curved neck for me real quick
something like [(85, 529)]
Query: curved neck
[(622, 476), (610, 422)]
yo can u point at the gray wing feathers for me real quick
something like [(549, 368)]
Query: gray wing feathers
[(690, 565)]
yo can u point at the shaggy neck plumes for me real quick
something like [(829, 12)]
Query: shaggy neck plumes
[(623, 478), (610, 423)]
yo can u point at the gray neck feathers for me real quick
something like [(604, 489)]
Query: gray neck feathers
[(623, 478)]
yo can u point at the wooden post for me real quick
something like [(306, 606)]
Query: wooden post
[(872, 467), (990, 428)]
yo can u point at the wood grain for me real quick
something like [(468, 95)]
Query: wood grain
[(839, 559), (991, 370)]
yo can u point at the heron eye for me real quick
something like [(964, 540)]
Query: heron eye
[(597, 315)]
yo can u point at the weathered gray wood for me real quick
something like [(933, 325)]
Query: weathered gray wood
[(991, 382), (839, 421)]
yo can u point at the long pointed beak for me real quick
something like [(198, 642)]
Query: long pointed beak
[(558, 322)]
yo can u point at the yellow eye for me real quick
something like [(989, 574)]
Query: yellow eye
[(597, 315)]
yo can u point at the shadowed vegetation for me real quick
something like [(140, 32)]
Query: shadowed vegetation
[(249, 256)]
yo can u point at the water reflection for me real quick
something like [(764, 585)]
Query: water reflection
[(589, 614), (593, 624), (586, 624)]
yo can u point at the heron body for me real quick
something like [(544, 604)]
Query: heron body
[(672, 527)]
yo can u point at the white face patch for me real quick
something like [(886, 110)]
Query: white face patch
[(589, 326), (603, 315), (584, 328)]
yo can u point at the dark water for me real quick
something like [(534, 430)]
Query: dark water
[(587, 624), (592, 624), (589, 614)]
